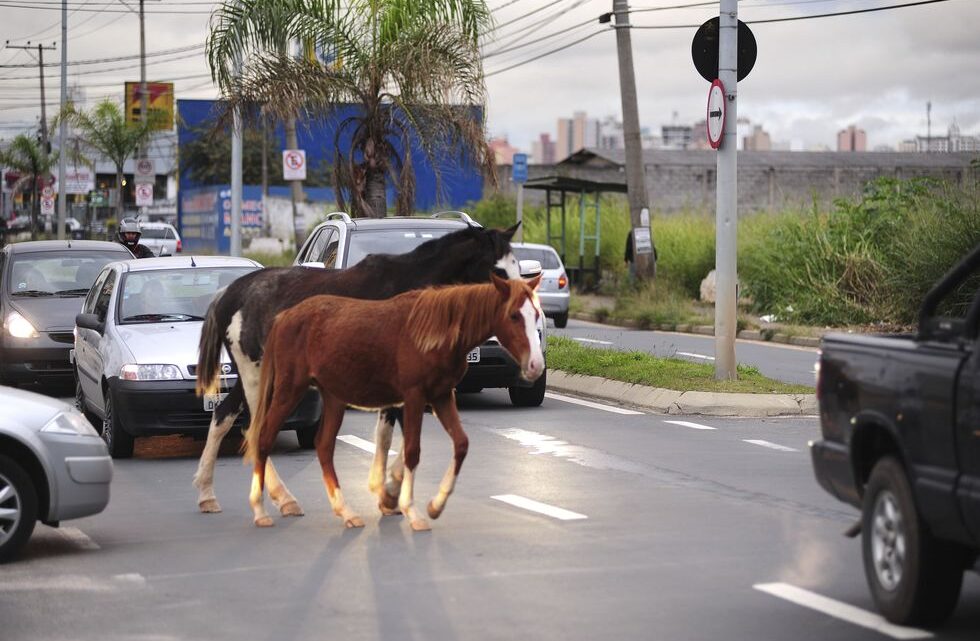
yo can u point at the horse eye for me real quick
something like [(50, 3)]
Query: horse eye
[(515, 317)]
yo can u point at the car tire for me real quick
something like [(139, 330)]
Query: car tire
[(914, 578), (307, 436), (119, 441), (529, 396), (19, 505), (80, 405), (561, 320)]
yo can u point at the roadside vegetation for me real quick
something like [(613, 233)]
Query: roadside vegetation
[(669, 373)]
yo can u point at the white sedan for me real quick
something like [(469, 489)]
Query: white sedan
[(136, 345)]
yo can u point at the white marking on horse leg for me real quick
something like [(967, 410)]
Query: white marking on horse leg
[(382, 442), (396, 474), (438, 504), (406, 500), (204, 478), (261, 518), (508, 263), (340, 508), (279, 493)]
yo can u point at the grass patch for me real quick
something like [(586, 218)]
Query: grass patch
[(285, 259), (670, 373)]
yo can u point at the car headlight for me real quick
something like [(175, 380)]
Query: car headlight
[(70, 423), (133, 372), (20, 327)]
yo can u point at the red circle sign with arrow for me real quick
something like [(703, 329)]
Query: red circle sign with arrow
[(716, 114)]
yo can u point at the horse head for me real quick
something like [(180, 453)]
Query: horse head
[(474, 253), (516, 323)]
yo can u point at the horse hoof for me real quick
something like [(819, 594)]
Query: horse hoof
[(421, 525), (291, 509), (209, 506), (264, 521), (389, 502), (433, 512), (354, 521), (388, 511)]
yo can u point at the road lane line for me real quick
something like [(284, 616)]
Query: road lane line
[(840, 610), (595, 406), (693, 355), (541, 508), (694, 426), (591, 340), (78, 538), (772, 446), (361, 444)]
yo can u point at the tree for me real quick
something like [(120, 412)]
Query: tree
[(412, 66), (27, 156), (104, 129)]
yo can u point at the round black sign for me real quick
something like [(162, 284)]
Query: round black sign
[(704, 50)]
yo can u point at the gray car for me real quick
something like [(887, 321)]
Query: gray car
[(53, 466), (554, 292)]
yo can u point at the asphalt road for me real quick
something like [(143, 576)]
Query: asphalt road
[(787, 363), (670, 531)]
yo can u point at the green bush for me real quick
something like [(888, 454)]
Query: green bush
[(685, 250)]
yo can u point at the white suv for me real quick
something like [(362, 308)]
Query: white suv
[(160, 236)]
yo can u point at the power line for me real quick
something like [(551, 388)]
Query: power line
[(498, 52), (112, 69), (544, 21), (547, 53), (13, 5), (93, 61)]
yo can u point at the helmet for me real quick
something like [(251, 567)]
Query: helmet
[(129, 232)]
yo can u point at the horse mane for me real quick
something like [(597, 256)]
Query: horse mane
[(436, 318)]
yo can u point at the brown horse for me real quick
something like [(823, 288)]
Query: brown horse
[(409, 350)]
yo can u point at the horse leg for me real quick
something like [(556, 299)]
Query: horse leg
[(411, 450), (221, 421), (333, 416), (446, 412), (387, 503), (248, 378), (260, 516), (396, 472)]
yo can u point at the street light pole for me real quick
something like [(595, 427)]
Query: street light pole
[(236, 176), (62, 126)]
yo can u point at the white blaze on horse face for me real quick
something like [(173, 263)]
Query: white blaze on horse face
[(535, 361), (508, 263)]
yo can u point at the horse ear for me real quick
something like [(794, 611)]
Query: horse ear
[(534, 282), (502, 285), (508, 233)]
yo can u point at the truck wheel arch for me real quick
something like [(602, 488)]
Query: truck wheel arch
[(871, 440)]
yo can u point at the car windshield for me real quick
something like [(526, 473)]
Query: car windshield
[(547, 258), (154, 232), (57, 273), (169, 295), (388, 241)]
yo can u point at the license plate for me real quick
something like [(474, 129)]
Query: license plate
[(211, 401), (474, 356)]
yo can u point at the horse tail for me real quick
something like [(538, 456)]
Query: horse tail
[(209, 352), (267, 383)]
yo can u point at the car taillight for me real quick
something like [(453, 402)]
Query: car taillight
[(816, 373), (179, 247), (562, 281)]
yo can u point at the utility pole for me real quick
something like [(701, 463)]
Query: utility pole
[(236, 176), (144, 99), (62, 125), (643, 252), (726, 210)]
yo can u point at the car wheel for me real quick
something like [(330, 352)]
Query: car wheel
[(914, 578), (561, 320), (18, 508), (529, 396), (307, 436), (80, 404), (119, 441)]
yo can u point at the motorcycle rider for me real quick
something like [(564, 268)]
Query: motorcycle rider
[(129, 234)]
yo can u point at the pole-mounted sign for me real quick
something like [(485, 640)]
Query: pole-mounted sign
[(716, 114), (519, 176), (294, 164), (704, 50)]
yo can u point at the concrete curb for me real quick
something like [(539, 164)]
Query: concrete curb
[(763, 335), (667, 401)]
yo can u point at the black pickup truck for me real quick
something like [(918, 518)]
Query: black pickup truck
[(900, 417)]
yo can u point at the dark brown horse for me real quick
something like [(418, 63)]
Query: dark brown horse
[(409, 350)]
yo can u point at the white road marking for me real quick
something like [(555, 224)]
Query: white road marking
[(695, 426), (595, 406), (693, 355), (541, 508), (772, 446), (591, 340), (360, 443), (840, 610), (78, 538)]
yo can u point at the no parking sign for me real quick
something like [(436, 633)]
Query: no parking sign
[(144, 194), (294, 164)]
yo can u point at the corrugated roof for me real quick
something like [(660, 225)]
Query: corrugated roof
[(816, 159)]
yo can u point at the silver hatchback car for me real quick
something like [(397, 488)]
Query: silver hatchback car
[(53, 466), (554, 291)]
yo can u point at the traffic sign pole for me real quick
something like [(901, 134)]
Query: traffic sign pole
[(519, 176), (726, 211)]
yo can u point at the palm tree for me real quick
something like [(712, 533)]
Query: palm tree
[(26, 156), (412, 66), (104, 129)]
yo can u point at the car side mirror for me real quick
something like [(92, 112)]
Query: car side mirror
[(530, 268), (165, 252), (90, 321)]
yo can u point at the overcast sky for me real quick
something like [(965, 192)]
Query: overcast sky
[(812, 77)]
